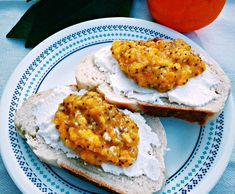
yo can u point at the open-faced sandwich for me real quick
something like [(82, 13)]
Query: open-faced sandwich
[(158, 77), (81, 132), (84, 130)]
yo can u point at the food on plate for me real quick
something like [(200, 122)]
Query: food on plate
[(96, 130), (157, 63), (81, 132), (157, 76)]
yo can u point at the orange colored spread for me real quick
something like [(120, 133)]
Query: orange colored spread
[(158, 63), (96, 130)]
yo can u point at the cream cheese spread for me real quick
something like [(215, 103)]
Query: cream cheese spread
[(198, 91), (45, 109)]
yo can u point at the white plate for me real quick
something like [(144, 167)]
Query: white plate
[(196, 158)]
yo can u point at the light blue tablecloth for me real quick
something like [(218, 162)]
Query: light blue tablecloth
[(218, 39)]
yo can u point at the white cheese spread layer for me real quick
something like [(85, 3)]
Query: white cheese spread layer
[(198, 91)]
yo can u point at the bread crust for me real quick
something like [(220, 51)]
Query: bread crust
[(92, 179), (188, 114)]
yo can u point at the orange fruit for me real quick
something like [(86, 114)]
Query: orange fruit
[(185, 15)]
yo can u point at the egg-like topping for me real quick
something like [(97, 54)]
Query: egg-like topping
[(96, 130), (157, 63)]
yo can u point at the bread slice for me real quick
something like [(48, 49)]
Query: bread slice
[(88, 76), (26, 125)]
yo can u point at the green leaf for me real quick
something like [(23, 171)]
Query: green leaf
[(64, 13), (51, 16), (24, 25)]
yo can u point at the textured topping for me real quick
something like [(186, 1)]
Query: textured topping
[(157, 63), (94, 129)]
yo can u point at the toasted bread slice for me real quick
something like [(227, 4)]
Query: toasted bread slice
[(88, 76), (27, 127)]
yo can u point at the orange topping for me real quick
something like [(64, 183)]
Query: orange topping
[(157, 63), (96, 130)]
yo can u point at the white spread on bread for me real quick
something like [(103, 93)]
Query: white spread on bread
[(44, 110), (146, 164), (197, 92)]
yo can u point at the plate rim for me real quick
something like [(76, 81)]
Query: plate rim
[(50, 40), (222, 164)]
